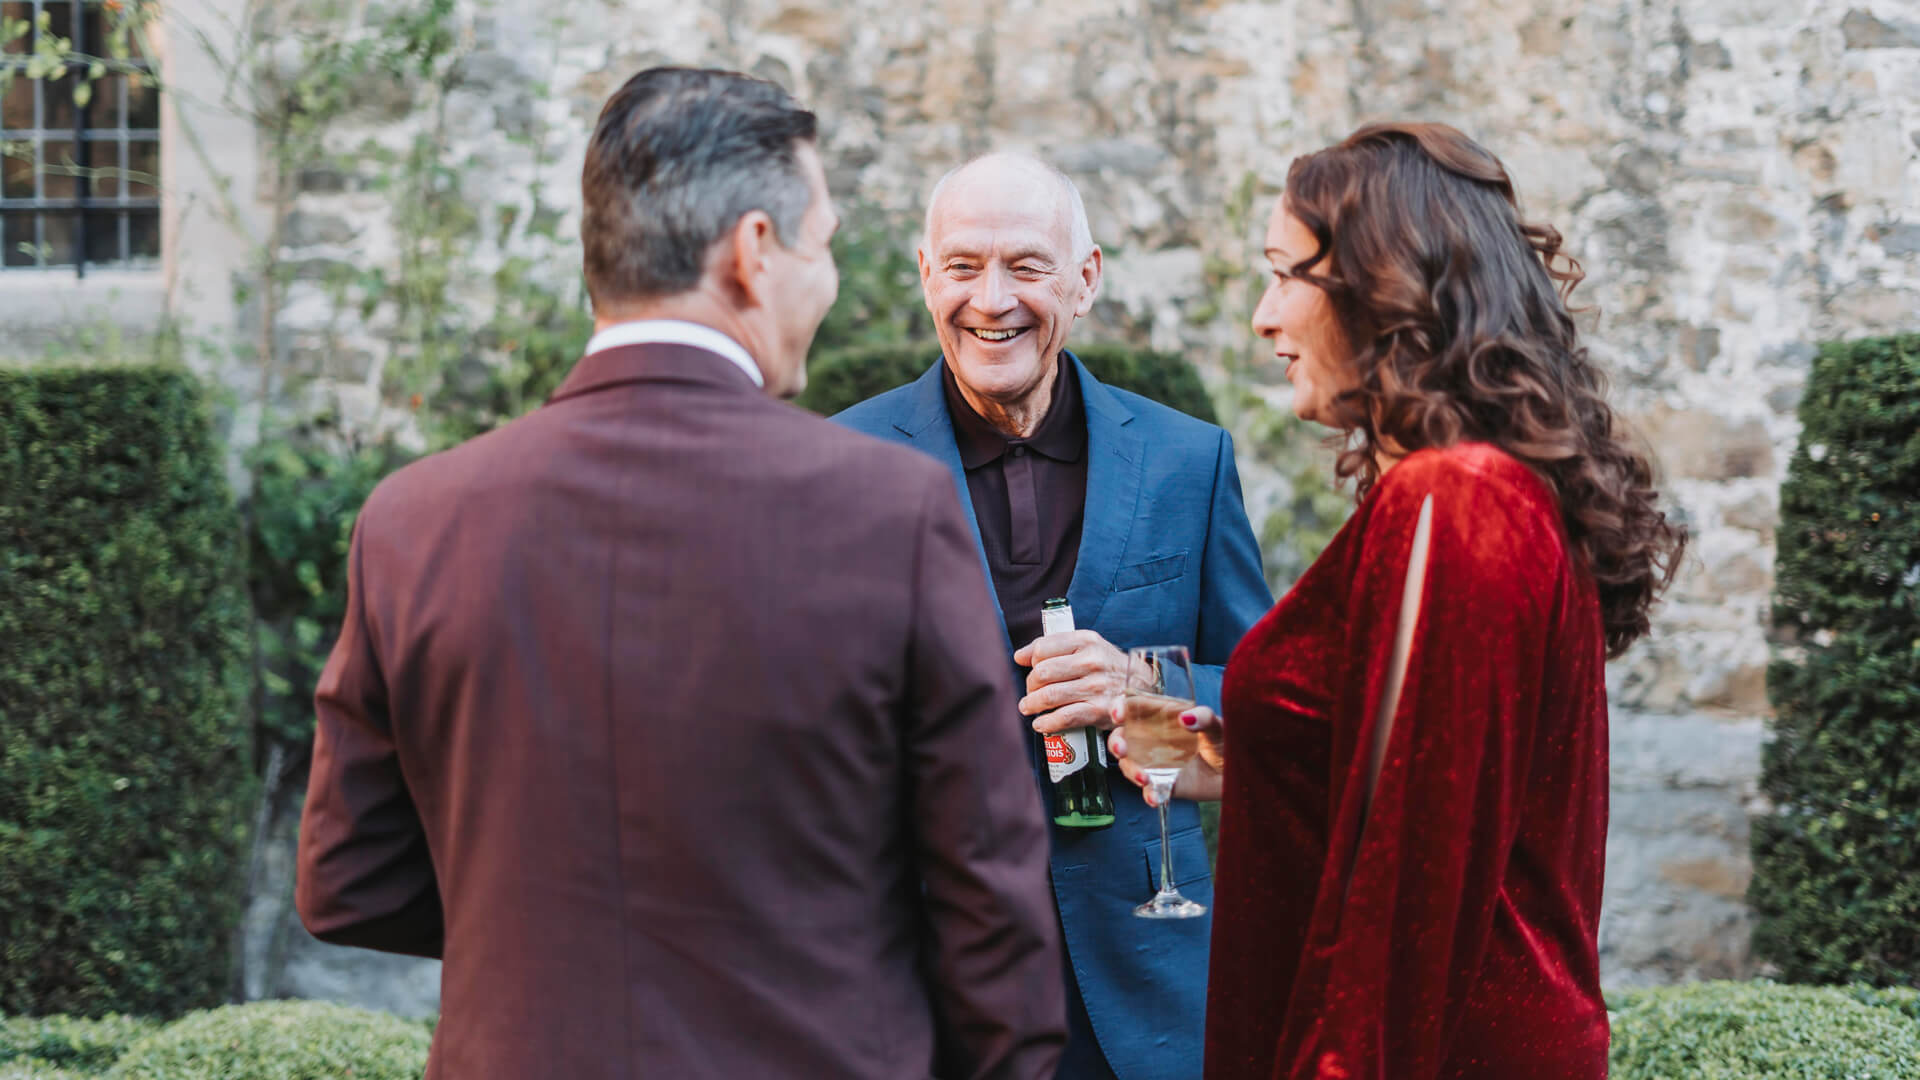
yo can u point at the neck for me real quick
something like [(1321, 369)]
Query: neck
[(697, 305), (1015, 419)]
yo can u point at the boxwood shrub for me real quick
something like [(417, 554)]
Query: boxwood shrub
[(840, 378), (280, 1040), (1836, 881), (124, 750), (1763, 1031), (84, 1047)]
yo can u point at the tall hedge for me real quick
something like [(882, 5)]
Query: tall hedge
[(839, 378), (1836, 880), (124, 758)]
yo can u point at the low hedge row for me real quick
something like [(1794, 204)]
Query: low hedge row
[(1704, 1031), (272, 1040), (1765, 1031)]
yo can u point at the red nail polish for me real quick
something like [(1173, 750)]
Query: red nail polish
[(1189, 720)]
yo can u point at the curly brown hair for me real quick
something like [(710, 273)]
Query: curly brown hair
[(1455, 312)]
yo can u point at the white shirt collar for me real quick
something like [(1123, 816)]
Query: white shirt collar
[(676, 332)]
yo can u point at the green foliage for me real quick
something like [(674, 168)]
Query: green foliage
[(299, 520), (880, 302), (1760, 1031), (1837, 864), (840, 379), (280, 1040), (86, 1047), (123, 732)]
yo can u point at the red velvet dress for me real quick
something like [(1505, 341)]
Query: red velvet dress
[(1465, 943)]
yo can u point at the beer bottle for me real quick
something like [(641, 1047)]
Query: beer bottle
[(1076, 759)]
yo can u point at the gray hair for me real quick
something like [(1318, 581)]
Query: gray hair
[(678, 156), (1079, 232)]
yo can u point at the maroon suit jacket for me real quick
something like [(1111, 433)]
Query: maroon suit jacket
[(675, 720)]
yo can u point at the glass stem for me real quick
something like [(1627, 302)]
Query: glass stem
[(1162, 796)]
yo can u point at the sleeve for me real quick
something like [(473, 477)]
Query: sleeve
[(1233, 585), (364, 876), (995, 961), (1406, 901)]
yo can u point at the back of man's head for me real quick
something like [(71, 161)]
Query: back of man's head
[(678, 156)]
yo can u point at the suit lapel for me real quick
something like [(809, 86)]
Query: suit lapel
[(930, 427), (1115, 456)]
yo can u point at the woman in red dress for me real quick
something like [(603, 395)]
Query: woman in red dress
[(1414, 821)]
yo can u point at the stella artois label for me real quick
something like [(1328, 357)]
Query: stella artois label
[(1066, 753)]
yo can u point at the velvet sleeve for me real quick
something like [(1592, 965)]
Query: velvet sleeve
[(1411, 884)]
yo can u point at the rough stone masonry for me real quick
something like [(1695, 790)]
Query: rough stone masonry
[(1738, 178)]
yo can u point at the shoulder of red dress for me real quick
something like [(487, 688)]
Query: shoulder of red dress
[(1459, 468)]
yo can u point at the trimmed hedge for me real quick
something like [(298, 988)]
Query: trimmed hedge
[(1836, 880), (280, 1040), (1760, 1031), (125, 774), (86, 1047), (839, 379)]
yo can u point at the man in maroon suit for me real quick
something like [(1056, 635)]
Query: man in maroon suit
[(672, 717)]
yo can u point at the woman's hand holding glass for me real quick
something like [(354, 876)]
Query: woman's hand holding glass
[(1202, 777)]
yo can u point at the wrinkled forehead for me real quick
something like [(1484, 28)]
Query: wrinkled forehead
[(999, 208)]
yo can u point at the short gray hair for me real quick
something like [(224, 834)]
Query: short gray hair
[(678, 156), (1079, 232)]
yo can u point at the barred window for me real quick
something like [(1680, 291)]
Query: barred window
[(78, 169)]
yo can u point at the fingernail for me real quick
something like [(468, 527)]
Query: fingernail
[(1187, 719)]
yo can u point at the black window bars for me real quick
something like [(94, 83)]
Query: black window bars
[(77, 182)]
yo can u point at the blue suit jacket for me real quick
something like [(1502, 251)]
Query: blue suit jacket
[(1166, 558)]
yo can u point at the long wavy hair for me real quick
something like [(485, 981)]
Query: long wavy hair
[(1455, 312)]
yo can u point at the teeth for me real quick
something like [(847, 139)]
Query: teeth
[(994, 335)]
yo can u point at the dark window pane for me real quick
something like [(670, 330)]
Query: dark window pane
[(103, 109), (143, 234), (16, 108), (143, 102), (103, 237), (22, 12), (106, 158), (16, 228), (60, 18), (143, 166), (16, 171), (94, 41), (56, 169), (56, 102), (57, 235)]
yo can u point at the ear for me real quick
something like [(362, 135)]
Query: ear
[(1089, 281), (748, 246), (926, 275)]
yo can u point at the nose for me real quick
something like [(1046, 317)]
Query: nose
[(1266, 315), (992, 293)]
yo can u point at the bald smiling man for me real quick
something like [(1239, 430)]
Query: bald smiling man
[(1130, 510)]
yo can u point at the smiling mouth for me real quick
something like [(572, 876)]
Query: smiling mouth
[(997, 335), (1288, 359)]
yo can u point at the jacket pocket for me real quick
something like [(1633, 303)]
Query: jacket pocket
[(1189, 858), (1151, 572)]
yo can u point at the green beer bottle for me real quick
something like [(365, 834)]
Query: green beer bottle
[(1077, 759)]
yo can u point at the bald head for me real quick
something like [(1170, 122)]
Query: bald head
[(1007, 265), (1005, 178)]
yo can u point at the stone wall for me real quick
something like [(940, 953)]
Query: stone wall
[(1737, 176)]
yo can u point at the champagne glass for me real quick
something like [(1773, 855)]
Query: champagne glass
[(1159, 688)]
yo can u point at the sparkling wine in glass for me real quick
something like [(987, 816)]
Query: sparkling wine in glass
[(1159, 688)]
